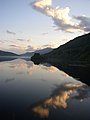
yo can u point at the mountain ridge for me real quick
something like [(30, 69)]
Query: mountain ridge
[(40, 51), (5, 53), (74, 51), (73, 58)]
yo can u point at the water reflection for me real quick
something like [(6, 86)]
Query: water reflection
[(50, 69), (60, 96), (23, 84), (7, 58), (9, 80), (19, 64)]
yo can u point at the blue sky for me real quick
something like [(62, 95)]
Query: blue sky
[(26, 27)]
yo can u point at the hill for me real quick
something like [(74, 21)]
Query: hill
[(44, 50), (40, 51), (73, 58), (74, 51), (77, 49), (27, 54), (4, 53)]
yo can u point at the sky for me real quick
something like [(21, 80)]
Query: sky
[(28, 25)]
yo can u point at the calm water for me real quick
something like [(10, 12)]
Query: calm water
[(33, 92)]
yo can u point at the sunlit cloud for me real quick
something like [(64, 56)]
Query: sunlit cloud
[(10, 32), (42, 5), (61, 17)]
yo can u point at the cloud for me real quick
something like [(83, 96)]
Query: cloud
[(1, 41), (48, 45), (42, 5), (84, 22), (44, 33), (14, 46), (61, 17), (30, 48), (21, 39), (29, 40), (10, 32), (17, 47)]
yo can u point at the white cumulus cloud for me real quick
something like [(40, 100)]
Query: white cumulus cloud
[(61, 17)]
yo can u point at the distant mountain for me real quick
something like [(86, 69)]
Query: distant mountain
[(27, 54), (44, 50), (4, 53), (41, 52), (74, 51)]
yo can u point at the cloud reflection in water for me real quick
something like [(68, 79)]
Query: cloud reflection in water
[(60, 96)]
